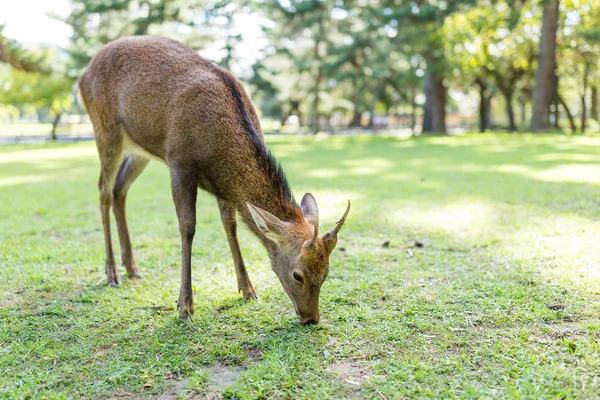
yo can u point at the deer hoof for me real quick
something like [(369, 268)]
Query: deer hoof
[(249, 293), (187, 317), (135, 275), (113, 283)]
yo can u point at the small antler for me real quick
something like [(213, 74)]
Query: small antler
[(341, 221), (316, 232)]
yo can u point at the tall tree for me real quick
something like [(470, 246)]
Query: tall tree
[(302, 32), (594, 103), (545, 89), (467, 37), (580, 53)]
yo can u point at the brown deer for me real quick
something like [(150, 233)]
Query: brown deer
[(151, 97)]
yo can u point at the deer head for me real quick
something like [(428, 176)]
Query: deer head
[(299, 257)]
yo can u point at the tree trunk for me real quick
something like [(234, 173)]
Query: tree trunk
[(569, 115), (586, 71), (510, 113), (583, 113), (544, 89), (356, 118), (439, 106), (315, 104), (295, 110), (435, 103), (54, 125), (488, 112), (318, 79), (594, 103), (555, 100), (482, 104), (413, 115), (374, 100), (427, 119)]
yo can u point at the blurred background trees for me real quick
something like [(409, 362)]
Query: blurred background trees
[(420, 65), (36, 77)]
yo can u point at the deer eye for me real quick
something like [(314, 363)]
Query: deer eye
[(298, 277)]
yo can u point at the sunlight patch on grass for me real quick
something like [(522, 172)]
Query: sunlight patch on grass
[(18, 180), (513, 168), (369, 162), (571, 173), (292, 151), (324, 173), (57, 153), (368, 166), (562, 245), (463, 219), (400, 176), (568, 157)]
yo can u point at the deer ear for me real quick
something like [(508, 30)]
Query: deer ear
[(309, 208), (268, 225)]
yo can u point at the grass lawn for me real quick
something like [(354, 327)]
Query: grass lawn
[(502, 300), (40, 129)]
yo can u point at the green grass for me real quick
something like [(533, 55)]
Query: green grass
[(502, 300), (40, 129)]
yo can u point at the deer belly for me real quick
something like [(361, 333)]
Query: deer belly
[(130, 146)]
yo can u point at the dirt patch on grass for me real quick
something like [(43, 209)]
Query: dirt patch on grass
[(566, 330), (253, 355), (352, 374), (356, 378), (177, 390), (219, 378)]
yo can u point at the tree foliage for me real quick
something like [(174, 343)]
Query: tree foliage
[(347, 61)]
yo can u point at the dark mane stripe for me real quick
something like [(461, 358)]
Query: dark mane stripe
[(263, 154)]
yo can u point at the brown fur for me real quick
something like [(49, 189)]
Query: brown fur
[(154, 97)]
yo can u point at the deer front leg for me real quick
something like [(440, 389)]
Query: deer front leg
[(185, 190), (228, 218)]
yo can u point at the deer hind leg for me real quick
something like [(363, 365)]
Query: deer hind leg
[(185, 190), (228, 218), (131, 167), (110, 150)]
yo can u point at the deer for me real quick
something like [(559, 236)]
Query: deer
[(155, 98)]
